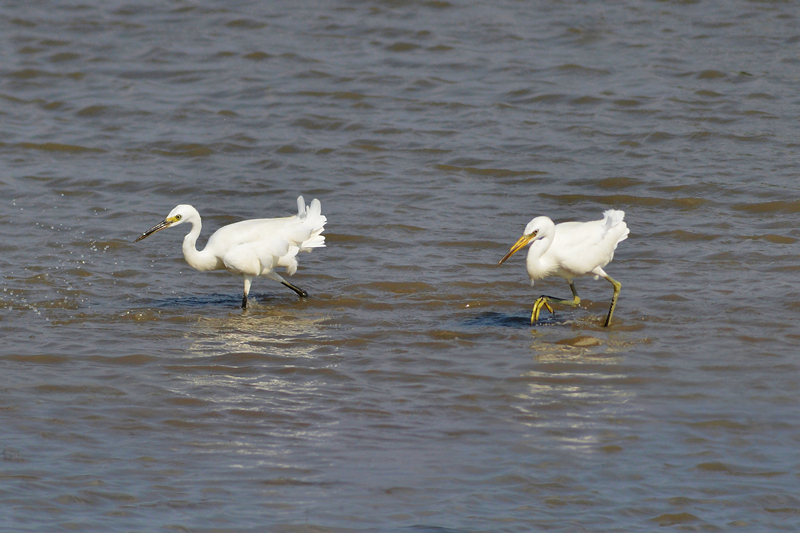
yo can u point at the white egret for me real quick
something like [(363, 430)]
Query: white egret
[(569, 250), (251, 248)]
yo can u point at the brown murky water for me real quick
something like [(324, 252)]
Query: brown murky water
[(409, 391)]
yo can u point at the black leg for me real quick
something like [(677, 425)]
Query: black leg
[(244, 301), (300, 292)]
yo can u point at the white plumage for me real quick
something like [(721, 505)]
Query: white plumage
[(569, 250), (251, 248)]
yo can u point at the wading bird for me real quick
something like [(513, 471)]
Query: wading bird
[(569, 250), (251, 248)]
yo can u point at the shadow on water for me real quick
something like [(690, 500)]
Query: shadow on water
[(205, 300), (219, 300), (505, 320), (432, 529)]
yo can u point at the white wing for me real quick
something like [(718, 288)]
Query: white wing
[(260, 245), (255, 258), (581, 247)]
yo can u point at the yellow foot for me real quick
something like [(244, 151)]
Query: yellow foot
[(537, 308)]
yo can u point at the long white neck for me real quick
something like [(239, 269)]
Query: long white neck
[(199, 260), (537, 267)]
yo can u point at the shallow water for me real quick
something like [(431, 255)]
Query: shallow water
[(409, 391)]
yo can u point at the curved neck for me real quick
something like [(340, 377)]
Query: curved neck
[(199, 260), (536, 267)]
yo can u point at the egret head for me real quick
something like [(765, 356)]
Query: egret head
[(536, 229), (179, 215), (538, 226)]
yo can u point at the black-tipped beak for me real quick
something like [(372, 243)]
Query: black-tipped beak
[(158, 227)]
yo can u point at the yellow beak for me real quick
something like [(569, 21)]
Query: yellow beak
[(519, 245)]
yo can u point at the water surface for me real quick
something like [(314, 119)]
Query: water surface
[(409, 391)]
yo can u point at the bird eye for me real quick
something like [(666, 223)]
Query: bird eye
[(177, 217)]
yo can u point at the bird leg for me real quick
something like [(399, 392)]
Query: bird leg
[(274, 276), (617, 286), (300, 292), (540, 302), (246, 292), (543, 301)]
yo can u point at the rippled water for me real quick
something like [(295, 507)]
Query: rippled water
[(409, 391)]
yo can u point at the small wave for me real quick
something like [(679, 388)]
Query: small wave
[(685, 203), (775, 206), (54, 147)]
